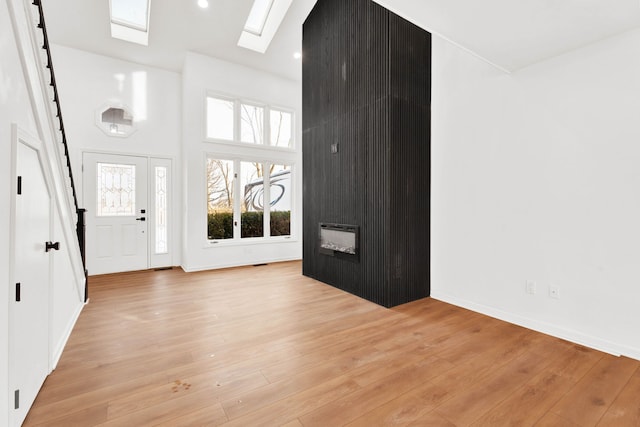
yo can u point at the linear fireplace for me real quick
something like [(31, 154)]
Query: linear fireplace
[(339, 240)]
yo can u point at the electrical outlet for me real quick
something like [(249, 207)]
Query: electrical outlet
[(554, 292), (530, 287)]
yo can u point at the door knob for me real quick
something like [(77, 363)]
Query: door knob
[(141, 219), (50, 245)]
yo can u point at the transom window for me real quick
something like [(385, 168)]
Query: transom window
[(233, 120)]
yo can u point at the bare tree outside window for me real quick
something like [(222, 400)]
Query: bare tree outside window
[(281, 128), (252, 124), (252, 209), (280, 190), (258, 125), (220, 198)]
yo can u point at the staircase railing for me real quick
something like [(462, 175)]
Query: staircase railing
[(80, 225)]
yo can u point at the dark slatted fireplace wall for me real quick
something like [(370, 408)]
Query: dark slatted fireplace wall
[(366, 149)]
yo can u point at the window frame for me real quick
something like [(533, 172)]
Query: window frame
[(292, 130), (237, 238), (237, 124)]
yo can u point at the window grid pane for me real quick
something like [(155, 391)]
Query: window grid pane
[(280, 206), (281, 128), (116, 189), (161, 210), (252, 124), (220, 119), (220, 199), (252, 213)]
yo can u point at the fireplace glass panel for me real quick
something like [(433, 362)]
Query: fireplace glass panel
[(339, 238)]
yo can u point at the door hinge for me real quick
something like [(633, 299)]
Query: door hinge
[(19, 185), (16, 399), (17, 292)]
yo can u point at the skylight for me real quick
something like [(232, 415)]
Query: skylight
[(130, 20), (258, 16), (263, 23)]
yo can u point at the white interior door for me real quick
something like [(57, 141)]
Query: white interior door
[(115, 196), (29, 313)]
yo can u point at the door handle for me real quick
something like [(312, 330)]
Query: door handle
[(50, 245), (141, 219)]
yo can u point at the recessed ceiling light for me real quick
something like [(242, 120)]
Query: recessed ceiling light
[(203, 3), (297, 55)]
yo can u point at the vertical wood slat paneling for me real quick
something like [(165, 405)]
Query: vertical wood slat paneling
[(410, 114), (364, 77)]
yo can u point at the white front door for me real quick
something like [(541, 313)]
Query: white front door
[(115, 196), (29, 306)]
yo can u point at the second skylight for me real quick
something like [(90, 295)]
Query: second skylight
[(132, 13), (258, 16)]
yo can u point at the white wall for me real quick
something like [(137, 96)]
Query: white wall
[(67, 297), (21, 106), (536, 176), (87, 82), (202, 74), (14, 108)]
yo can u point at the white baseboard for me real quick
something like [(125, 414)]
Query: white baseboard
[(543, 327), (239, 264), (57, 354)]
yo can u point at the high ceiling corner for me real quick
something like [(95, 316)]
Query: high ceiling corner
[(508, 34), (514, 34)]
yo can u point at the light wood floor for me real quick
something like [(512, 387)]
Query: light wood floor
[(265, 346)]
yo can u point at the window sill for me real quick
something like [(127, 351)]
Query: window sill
[(270, 148), (250, 241)]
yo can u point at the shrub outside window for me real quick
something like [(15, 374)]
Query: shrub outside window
[(220, 198)]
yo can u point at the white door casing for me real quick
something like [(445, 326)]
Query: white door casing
[(29, 325), (117, 238)]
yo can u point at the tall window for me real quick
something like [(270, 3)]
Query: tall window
[(249, 192)]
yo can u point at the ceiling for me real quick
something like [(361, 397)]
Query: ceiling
[(510, 34)]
